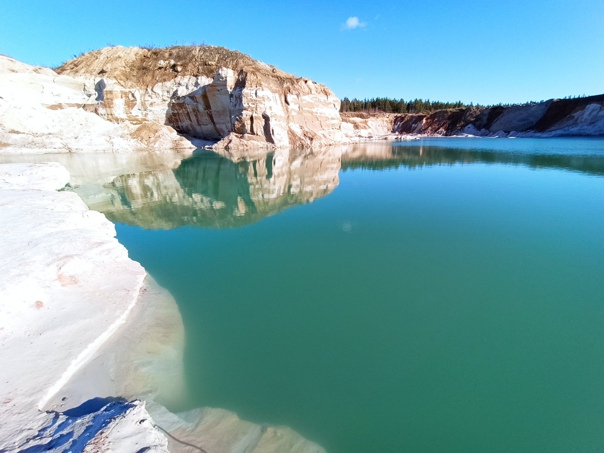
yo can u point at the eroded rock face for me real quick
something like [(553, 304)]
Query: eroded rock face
[(363, 126), (559, 117), (300, 114), (212, 110), (44, 112), (211, 93)]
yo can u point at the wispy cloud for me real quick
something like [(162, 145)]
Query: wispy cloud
[(352, 23)]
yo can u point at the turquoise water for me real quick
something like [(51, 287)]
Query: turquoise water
[(435, 295)]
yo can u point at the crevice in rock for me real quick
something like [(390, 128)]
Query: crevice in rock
[(99, 87), (241, 80), (268, 131), (208, 109)]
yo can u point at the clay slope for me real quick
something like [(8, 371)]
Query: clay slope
[(211, 93)]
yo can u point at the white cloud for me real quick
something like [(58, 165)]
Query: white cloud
[(353, 22)]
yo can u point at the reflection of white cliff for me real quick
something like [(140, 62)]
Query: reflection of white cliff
[(296, 178), (367, 151), (212, 191)]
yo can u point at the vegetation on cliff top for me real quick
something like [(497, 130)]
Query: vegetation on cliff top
[(147, 66), (389, 105)]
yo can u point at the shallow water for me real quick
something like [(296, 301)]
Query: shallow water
[(434, 295)]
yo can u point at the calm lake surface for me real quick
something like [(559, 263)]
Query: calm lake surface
[(425, 296)]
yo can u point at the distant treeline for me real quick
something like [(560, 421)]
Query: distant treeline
[(388, 105)]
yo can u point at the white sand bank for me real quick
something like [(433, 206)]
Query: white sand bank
[(66, 285)]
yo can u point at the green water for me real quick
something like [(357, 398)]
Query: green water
[(443, 295)]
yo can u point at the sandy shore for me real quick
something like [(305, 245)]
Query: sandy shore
[(66, 286)]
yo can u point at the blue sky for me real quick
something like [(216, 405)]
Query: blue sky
[(473, 51)]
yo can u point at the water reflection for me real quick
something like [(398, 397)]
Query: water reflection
[(163, 191), (335, 311), (435, 152), (209, 190)]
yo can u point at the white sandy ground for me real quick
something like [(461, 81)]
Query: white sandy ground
[(66, 285), (79, 320)]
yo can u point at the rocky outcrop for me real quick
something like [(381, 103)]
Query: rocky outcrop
[(366, 126), (558, 117), (213, 94), (44, 112), (121, 99)]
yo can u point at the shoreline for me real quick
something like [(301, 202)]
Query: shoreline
[(83, 324), (67, 286)]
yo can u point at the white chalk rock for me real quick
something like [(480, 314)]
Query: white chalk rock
[(66, 286)]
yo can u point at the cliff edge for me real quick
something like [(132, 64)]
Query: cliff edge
[(45, 112), (210, 93)]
